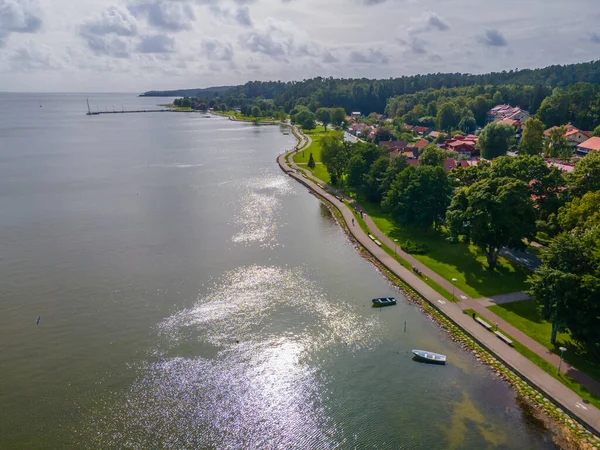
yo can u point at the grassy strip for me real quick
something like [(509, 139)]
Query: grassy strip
[(546, 366), (432, 284), (301, 158), (525, 316), (464, 262)]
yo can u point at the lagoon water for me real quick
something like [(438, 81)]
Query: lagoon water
[(193, 296)]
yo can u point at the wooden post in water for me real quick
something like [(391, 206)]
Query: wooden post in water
[(405, 326)]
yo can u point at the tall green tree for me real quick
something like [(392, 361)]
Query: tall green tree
[(467, 123), (448, 116), (419, 196), (256, 111), (596, 131), (566, 287), (495, 140), (586, 175), (557, 145), (311, 162), (324, 116), (335, 156), (338, 115), (493, 213), (582, 213), (433, 156), (532, 141)]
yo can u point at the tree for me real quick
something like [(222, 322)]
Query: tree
[(586, 175), (582, 213), (324, 116), (335, 156), (495, 139), (311, 162), (256, 112), (363, 155), (566, 287), (467, 123), (373, 179), (532, 142), (493, 213), (433, 156), (596, 132), (338, 115), (557, 145), (447, 117), (383, 134), (308, 123), (419, 196)]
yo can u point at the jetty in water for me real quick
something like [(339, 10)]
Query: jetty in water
[(123, 111)]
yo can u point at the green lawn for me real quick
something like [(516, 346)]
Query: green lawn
[(301, 158), (545, 365), (525, 316), (464, 262)]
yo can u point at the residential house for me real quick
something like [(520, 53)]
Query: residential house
[(574, 135), (407, 127), (437, 134), (421, 144), (592, 144), (355, 114), (516, 124), (502, 112), (393, 145), (421, 131), (463, 145)]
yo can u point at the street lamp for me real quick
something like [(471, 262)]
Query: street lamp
[(562, 350), (453, 281), (395, 245)]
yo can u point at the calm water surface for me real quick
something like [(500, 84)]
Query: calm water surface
[(193, 296)]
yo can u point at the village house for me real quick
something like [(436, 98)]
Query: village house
[(355, 114), (393, 145), (592, 144), (574, 135), (421, 131), (437, 134), (463, 145), (503, 112)]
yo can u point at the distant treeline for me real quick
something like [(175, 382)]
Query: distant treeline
[(205, 94)]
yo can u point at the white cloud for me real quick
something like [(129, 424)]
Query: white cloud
[(18, 16), (156, 44)]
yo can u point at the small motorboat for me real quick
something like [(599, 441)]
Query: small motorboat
[(430, 357), (384, 301)]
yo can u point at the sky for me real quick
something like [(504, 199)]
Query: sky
[(140, 45)]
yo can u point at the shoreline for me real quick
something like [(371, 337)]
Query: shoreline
[(570, 430)]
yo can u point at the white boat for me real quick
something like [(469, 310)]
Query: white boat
[(430, 357)]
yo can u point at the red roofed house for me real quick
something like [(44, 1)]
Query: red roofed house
[(501, 112), (422, 144), (437, 134), (574, 135), (421, 131), (393, 145), (592, 144), (463, 145)]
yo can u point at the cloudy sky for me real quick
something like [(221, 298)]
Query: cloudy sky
[(138, 45)]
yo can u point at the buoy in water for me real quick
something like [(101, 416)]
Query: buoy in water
[(38, 320)]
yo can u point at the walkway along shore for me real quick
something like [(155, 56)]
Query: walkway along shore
[(567, 400)]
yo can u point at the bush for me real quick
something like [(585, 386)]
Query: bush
[(413, 248)]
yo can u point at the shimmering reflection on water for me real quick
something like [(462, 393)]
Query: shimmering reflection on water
[(260, 203), (259, 387)]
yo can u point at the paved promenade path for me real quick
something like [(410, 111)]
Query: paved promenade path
[(568, 399)]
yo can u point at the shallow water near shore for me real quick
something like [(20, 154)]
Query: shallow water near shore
[(192, 295)]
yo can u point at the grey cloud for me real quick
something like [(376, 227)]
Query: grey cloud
[(329, 58), (18, 16), (217, 51), (493, 38), (113, 20), (418, 46), (428, 22), (164, 14), (242, 16), (264, 43), (108, 46), (30, 58), (595, 37), (369, 56), (158, 43)]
